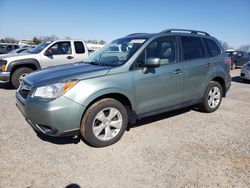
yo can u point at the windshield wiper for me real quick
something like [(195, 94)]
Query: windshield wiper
[(92, 63)]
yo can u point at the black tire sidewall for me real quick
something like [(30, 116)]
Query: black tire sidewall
[(16, 75), (87, 131), (205, 104)]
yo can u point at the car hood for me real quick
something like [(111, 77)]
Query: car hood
[(61, 73), (13, 57)]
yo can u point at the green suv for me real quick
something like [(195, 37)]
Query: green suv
[(132, 77)]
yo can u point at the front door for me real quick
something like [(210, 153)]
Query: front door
[(58, 54), (160, 87)]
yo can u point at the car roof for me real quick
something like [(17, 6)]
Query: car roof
[(179, 32)]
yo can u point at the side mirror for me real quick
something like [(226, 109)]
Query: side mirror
[(151, 62), (48, 53)]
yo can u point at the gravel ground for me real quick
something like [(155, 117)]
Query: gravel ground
[(184, 148)]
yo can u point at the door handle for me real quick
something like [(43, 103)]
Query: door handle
[(70, 57), (178, 71)]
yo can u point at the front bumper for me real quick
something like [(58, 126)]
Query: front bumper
[(4, 77), (59, 117), (245, 72)]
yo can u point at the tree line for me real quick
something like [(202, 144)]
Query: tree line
[(36, 40)]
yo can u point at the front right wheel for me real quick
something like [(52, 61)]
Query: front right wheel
[(212, 98), (104, 122)]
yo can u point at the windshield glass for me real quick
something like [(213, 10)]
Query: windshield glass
[(40, 47), (116, 53)]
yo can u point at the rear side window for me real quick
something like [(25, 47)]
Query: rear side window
[(192, 48), (213, 48), (79, 47)]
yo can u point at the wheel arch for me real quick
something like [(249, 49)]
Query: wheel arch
[(30, 63), (119, 96), (222, 82)]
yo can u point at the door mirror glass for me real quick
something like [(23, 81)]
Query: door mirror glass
[(48, 53), (152, 62)]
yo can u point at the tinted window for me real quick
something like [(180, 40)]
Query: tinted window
[(60, 48), (16, 46), (192, 48), (79, 47), (164, 48), (213, 48)]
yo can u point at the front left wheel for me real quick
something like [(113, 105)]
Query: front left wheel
[(18, 75), (104, 122)]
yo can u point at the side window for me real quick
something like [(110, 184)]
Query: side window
[(60, 48), (192, 48), (163, 48), (213, 48), (79, 47)]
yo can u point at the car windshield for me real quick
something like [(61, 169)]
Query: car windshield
[(40, 47), (116, 53)]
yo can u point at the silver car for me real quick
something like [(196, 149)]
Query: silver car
[(245, 71)]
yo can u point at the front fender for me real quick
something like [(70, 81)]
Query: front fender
[(29, 61), (88, 90)]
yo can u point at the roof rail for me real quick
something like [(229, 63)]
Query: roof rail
[(135, 34), (185, 31)]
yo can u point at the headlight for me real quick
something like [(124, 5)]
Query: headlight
[(3, 64), (53, 91)]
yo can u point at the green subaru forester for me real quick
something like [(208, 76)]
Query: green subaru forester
[(132, 77)]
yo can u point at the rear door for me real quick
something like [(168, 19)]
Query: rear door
[(80, 51), (196, 67), (160, 87)]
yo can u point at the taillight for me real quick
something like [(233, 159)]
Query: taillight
[(228, 61)]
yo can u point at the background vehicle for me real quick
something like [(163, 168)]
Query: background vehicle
[(19, 50), (149, 74), (245, 71), (239, 58), (46, 54), (6, 48)]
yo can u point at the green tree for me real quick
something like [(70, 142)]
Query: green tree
[(102, 42), (36, 40)]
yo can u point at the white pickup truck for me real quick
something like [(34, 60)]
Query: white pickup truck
[(48, 53)]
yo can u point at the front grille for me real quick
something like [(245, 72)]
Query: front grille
[(24, 89)]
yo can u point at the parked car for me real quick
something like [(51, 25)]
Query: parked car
[(239, 58), (91, 51), (153, 73), (245, 71), (46, 54), (19, 50), (6, 48)]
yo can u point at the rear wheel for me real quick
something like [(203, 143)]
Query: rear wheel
[(104, 122), (212, 98), (19, 74)]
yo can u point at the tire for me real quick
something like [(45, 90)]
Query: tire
[(213, 93), (18, 74), (104, 123)]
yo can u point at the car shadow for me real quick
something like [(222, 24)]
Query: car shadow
[(158, 117), (73, 185), (59, 140), (142, 122), (6, 86), (238, 79)]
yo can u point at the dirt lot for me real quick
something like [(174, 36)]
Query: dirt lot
[(184, 148)]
